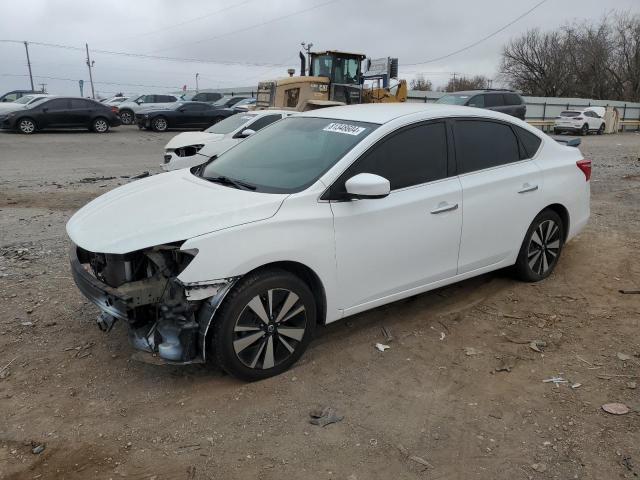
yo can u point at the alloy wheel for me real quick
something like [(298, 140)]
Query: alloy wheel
[(100, 126), (27, 126), (269, 329), (126, 118), (160, 124), (544, 247)]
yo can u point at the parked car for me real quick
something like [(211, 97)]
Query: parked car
[(190, 149), (228, 102), (129, 108), (244, 105), (14, 95), (504, 101), (62, 112), (116, 100), (580, 121), (181, 115), (26, 101), (209, 97), (323, 215)]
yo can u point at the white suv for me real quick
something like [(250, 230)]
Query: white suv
[(580, 121), (189, 149), (130, 107), (320, 216)]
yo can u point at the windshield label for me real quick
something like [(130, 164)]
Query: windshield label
[(344, 128)]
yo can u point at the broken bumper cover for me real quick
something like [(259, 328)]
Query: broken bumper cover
[(106, 298)]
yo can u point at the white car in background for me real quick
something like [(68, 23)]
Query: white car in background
[(189, 149), (321, 216), (581, 121), (26, 101), (133, 105)]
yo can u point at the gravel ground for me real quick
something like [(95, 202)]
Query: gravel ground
[(460, 393)]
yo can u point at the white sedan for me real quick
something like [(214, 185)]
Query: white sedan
[(189, 149), (324, 215)]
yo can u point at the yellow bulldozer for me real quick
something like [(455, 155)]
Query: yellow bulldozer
[(334, 78)]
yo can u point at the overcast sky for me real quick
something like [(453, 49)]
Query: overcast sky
[(251, 32)]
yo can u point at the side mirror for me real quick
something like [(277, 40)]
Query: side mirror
[(138, 102), (367, 185), (181, 110), (45, 109), (247, 132)]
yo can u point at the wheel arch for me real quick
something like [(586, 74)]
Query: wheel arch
[(26, 117), (563, 213)]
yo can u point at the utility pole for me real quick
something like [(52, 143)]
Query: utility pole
[(307, 48), (90, 64), (26, 47), (197, 89)]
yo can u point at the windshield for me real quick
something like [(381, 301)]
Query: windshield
[(453, 99), (291, 154), (230, 124), (24, 100), (37, 100)]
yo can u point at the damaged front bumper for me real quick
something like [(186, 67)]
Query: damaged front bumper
[(164, 316)]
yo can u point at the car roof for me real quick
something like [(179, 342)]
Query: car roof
[(268, 111), (385, 112)]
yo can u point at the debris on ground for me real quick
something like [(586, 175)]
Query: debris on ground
[(4, 371), (470, 351), (555, 380), (387, 334), (616, 408), (623, 356), (629, 292), (421, 461), (142, 175), (505, 365), (324, 417), (539, 467), (382, 347), (576, 385), (537, 345), (37, 448), (632, 385)]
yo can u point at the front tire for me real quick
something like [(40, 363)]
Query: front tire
[(541, 247), (100, 125), (601, 129), (159, 124), (26, 126), (264, 325)]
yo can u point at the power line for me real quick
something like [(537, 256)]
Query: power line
[(97, 83), (247, 28), (191, 20), (479, 41)]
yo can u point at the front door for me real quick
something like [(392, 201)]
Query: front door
[(389, 246)]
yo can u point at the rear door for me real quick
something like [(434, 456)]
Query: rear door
[(80, 112), (500, 190), (495, 101), (514, 105), (408, 239)]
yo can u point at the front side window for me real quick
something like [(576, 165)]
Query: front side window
[(493, 100), (412, 156), (57, 104), (477, 101), (230, 124), (192, 107), (483, 144), (292, 155)]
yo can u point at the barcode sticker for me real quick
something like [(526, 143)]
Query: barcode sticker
[(344, 128)]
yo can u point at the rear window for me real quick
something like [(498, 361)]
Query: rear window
[(570, 114), (512, 99)]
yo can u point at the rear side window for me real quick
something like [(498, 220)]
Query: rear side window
[(512, 99), (412, 156), (482, 144), (57, 104), (530, 142), (477, 101), (263, 122), (80, 104), (493, 100), (194, 107)]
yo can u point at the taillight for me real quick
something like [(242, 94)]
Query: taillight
[(585, 166), (114, 109)]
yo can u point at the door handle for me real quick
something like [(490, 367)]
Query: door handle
[(444, 207), (528, 188)]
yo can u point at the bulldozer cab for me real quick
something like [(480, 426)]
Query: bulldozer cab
[(339, 67)]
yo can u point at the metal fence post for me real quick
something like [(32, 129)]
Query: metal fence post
[(544, 110)]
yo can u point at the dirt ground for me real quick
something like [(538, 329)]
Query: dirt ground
[(460, 393)]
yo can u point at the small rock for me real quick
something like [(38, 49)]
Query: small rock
[(382, 347), (616, 408), (470, 351), (37, 449), (631, 385), (623, 356), (539, 467)]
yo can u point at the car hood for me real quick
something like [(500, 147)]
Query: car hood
[(165, 208), (11, 107), (192, 138)]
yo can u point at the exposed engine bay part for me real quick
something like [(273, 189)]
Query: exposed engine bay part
[(164, 316)]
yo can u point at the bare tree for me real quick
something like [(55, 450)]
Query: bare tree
[(456, 84), (600, 60), (420, 83)]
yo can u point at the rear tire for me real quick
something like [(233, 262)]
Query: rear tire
[(26, 126), (541, 247), (584, 131), (264, 325), (100, 125), (159, 124), (601, 129), (127, 117)]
